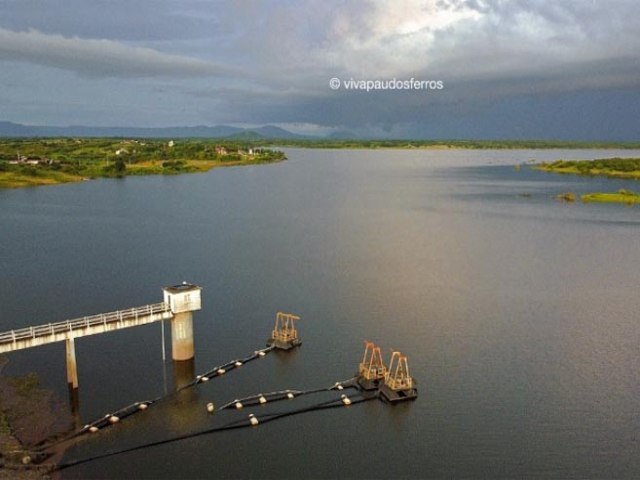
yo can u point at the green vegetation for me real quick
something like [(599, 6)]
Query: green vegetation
[(609, 167), (30, 162), (45, 161), (622, 196)]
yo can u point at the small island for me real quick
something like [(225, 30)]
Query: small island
[(607, 167), (621, 196), (32, 162)]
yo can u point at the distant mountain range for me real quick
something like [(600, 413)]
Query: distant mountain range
[(10, 129)]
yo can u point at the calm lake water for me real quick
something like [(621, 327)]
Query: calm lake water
[(518, 313)]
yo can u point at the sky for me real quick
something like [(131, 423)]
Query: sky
[(509, 69)]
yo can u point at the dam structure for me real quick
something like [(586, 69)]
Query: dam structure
[(178, 305)]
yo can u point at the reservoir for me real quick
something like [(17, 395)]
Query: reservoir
[(519, 314)]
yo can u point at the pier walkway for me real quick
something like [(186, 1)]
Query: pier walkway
[(69, 329)]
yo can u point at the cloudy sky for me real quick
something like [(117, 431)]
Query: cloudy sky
[(565, 69)]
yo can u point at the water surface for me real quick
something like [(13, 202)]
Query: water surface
[(518, 313)]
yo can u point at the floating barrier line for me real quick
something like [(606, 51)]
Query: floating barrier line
[(284, 394), (135, 407), (99, 423), (243, 423), (351, 382), (334, 403), (271, 396), (222, 369)]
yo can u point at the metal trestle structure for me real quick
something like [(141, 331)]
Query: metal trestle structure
[(372, 371), (398, 384), (284, 335)]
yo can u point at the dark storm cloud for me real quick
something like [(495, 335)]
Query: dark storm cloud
[(138, 20), (99, 58), (278, 56)]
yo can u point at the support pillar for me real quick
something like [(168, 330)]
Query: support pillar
[(182, 336), (72, 368)]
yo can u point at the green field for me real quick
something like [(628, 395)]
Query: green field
[(33, 162)]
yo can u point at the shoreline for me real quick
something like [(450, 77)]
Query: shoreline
[(626, 168), (593, 173), (14, 180), (28, 162), (621, 196), (58, 161), (615, 168), (29, 416)]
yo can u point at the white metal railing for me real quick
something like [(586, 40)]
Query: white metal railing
[(118, 317)]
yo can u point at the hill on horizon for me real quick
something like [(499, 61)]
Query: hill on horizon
[(11, 129)]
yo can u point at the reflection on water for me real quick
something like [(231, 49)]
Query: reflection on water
[(184, 372), (74, 401), (518, 313)]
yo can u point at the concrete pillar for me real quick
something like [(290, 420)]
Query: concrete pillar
[(72, 368), (182, 336)]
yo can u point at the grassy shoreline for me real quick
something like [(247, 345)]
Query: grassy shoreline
[(37, 162), (28, 162), (603, 167), (626, 168), (18, 179), (621, 196), (591, 173), (29, 416)]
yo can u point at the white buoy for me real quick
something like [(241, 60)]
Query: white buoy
[(210, 407), (205, 379), (290, 395), (93, 429), (253, 420), (346, 400), (239, 405), (262, 399), (142, 406), (114, 419), (221, 371), (238, 363)]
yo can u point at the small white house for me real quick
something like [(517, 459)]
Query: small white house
[(182, 298), (171, 143)]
